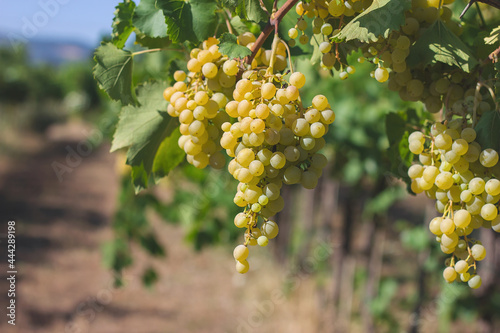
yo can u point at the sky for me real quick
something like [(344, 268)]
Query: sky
[(74, 20)]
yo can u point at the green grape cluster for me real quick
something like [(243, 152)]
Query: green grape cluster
[(463, 179), (274, 141), (197, 99), (259, 121), (326, 15)]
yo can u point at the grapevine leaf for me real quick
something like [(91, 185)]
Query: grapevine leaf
[(398, 153), (487, 129), (229, 46), (238, 25), (204, 17), (394, 127), (149, 19), (169, 155), (315, 41), (113, 72), (151, 42), (122, 22), (179, 20), (379, 19), (493, 37), (143, 128), (439, 44), (254, 11)]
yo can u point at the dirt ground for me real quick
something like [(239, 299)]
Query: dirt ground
[(62, 286)]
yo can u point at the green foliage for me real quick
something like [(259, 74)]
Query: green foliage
[(149, 19), (488, 135), (204, 17), (122, 23), (229, 46), (415, 238), (439, 44), (382, 17), (113, 72), (168, 156), (179, 19), (143, 128)]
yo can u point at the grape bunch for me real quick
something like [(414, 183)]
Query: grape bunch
[(463, 179), (256, 115), (274, 141)]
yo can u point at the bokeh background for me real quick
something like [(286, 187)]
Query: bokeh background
[(353, 255)]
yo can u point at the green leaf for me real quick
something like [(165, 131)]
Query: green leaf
[(238, 25), (179, 20), (398, 155), (382, 17), (488, 130), (315, 41), (204, 17), (254, 12), (394, 127), (149, 19), (113, 72), (493, 37), (169, 154), (143, 128), (229, 46), (438, 44), (122, 23)]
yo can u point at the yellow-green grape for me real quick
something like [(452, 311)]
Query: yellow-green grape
[(245, 156), (179, 76), (403, 42), (435, 226), (415, 171), (443, 141), (327, 116), (297, 79), (242, 266), (478, 252), (475, 282), (476, 186), (447, 226), (450, 240), (350, 70), (304, 39), (293, 33), (262, 241), (270, 228), (449, 274), (240, 252), (461, 266), (328, 60), (230, 67), (489, 212), (343, 75), (468, 134), (326, 29), (488, 157), (209, 70), (325, 47), (416, 147), (336, 8), (301, 25), (492, 187), (320, 102), (381, 74), (278, 160), (462, 218)]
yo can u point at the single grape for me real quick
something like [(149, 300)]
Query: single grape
[(240, 252)]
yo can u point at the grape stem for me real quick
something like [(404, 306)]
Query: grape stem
[(228, 23), (273, 24)]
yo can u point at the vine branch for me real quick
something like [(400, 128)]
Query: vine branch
[(272, 25)]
